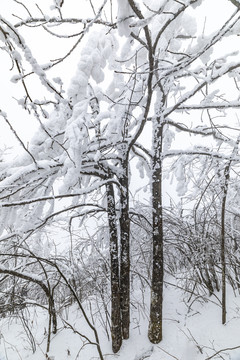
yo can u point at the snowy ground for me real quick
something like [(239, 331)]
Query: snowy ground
[(192, 331)]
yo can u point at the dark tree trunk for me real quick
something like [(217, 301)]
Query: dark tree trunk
[(53, 314), (223, 260), (116, 330), (155, 324), (125, 253)]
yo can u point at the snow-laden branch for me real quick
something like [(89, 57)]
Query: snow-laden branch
[(16, 173), (201, 152), (209, 79), (86, 191), (169, 21), (198, 52), (58, 21), (26, 276), (93, 210), (14, 36), (212, 105), (202, 130)]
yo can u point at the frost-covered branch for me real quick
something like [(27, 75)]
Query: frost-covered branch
[(12, 35), (95, 209), (26, 276), (59, 21), (201, 152), (213, 105), (220, 73), (4, 115), (203, 130), (61, 196)]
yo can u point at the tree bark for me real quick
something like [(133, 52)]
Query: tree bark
[(223, 260), (116, 330), (235, 2), (155, 324), (125, 250)]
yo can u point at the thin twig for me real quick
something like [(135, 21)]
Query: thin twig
[(166, 352), (222, 350), (16, 135)]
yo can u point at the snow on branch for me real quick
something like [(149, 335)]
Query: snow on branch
[(124, 17), (88, 190), (25, 275), (201, 152), (15, 36), (57, 20), (212, 105), (208, 80)]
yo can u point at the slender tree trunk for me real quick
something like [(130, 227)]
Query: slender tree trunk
[(223, 260), (223, 263), (53, 314), (116, 330), (125, 251), (155, 324)]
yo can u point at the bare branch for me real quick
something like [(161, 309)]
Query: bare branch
[(16, 135), (90, 189), (222, 350)]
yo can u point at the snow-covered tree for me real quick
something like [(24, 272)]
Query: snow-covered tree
[(145, 89)]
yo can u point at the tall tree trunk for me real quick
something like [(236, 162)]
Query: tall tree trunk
[(125, 250), (155, 324), (223, 260), (116, 330)]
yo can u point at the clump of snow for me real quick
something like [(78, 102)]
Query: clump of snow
[(180, 175), (205, 57), (16, 78), (168, 137), (2, 36), (97, 51), (16, 55), (196, 3), (124, 20), (189, 24)]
